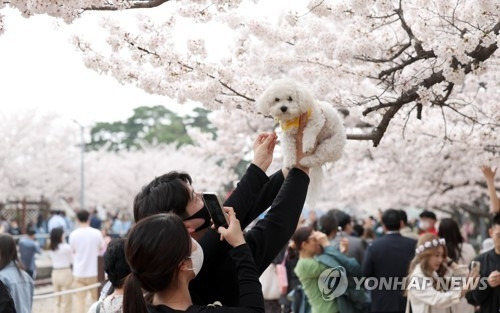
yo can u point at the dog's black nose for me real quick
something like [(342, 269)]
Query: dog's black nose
[(283, 109)]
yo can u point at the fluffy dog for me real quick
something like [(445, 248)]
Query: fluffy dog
[(324, 136)]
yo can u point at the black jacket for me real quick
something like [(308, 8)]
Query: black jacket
[(484, 295), (217, 280), (389, 257)]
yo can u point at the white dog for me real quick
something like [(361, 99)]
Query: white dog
[(324, 134)]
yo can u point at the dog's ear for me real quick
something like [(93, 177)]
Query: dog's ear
[(305, 98), (262, 103)]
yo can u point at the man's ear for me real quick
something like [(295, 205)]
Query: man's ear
[(490, 232), (189, 227)]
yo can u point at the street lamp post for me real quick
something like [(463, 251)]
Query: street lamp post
[(82, 165)]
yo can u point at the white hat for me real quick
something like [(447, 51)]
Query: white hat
[(487, 245)]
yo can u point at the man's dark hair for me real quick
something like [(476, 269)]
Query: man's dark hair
[(165, 194), (403, 216), (30, 231), (358, 230), (82, 216), (428, 214), (342, 218), (391, 220), (495, 220), (328, 223), (115, 263)]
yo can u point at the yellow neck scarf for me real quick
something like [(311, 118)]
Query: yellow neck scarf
[(293, 123)]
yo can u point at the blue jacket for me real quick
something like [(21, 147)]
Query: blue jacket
[(20, 286), (352, 301)]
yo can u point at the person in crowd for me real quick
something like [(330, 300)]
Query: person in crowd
[(57, 221), (488, 299), (86, 243), (368, 237), (117, 269), (284, 192), (17, 282), (389, 257), (107, 239), (430, 264), (28, 247), (428, 222), (14, 229), (355, 248), (460, 252), (4, 225), (316, 255), (358, 230), (167, 275), (62, 257), (405, 229), (95, 221), (489, 175)]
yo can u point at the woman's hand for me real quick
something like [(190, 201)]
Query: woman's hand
[(488, 172), (233, 233), (300, 134), (263, 148), (321, 238), (344, 245)]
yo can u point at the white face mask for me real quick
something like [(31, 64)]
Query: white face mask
[(196, 258), (424, 225)]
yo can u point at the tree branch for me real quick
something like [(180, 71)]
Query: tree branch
[(137, 4)]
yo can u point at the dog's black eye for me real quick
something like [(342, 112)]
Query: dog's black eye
[(290, 98), (277, 99)]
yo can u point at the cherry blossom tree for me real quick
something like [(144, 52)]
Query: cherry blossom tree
[(40, 156), (417, 79)]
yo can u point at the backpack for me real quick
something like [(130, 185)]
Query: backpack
[(353, 300)]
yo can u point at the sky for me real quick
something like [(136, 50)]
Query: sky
[(40, 68)]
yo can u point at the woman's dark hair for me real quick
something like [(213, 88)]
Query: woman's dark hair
[(55, 238), (301, 235), (8, 251), (154, 248), (167, 193), (448, 229), (115, 264)]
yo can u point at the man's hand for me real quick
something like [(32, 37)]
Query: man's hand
[(263, 148), (488, 172), (494, 279)]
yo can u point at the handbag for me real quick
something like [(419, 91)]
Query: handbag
[(269, 281), (282, 275)]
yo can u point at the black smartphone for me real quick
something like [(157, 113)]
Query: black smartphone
[(215, 210)]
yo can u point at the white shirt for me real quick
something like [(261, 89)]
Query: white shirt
[(56, 221), (426, 300), (62, 257), (86, 242)]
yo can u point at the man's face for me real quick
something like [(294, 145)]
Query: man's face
[(495, 234), (194, 205), (426, 223)]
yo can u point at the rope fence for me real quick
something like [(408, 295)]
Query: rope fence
[(65, 292)]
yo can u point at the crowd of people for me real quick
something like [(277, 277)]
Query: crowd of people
[(173, 260)]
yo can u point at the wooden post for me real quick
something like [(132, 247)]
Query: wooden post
[(23, 216), (100, 273)]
